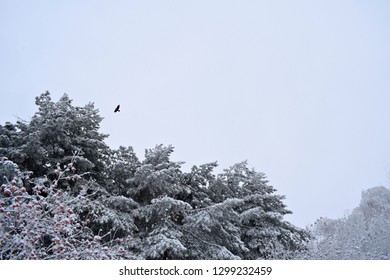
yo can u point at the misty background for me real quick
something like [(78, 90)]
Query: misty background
[(297, 88)]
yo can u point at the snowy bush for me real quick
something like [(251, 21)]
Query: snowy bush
[(44, 225)]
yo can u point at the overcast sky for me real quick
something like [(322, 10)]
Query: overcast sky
[(300, 89)]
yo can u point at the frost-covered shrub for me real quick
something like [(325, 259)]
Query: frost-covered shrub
[(44, 225)]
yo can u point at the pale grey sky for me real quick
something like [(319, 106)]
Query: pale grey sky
[(300, 89)]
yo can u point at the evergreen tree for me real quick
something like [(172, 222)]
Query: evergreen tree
[(214, 232), (159, 229), (120, 167), (57, 133), (244, 219), (157, 176), (10, 142), (114, 206)]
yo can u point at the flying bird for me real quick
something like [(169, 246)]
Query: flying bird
[(117, 109)]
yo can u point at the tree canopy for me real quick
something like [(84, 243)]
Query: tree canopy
[(90, 198), (363, 234)]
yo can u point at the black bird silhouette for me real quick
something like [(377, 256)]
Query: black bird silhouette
[(117, 109)]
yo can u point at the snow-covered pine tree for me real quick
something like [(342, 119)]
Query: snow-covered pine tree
[(157, 176), (238, 215), (263, 230), (159, 229), (213, 232), (120, 167), (167, 213), (196, 185), (10, 142), (57, 133)]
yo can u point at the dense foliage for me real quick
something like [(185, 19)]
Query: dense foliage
[(66, 195), (363, 234)]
